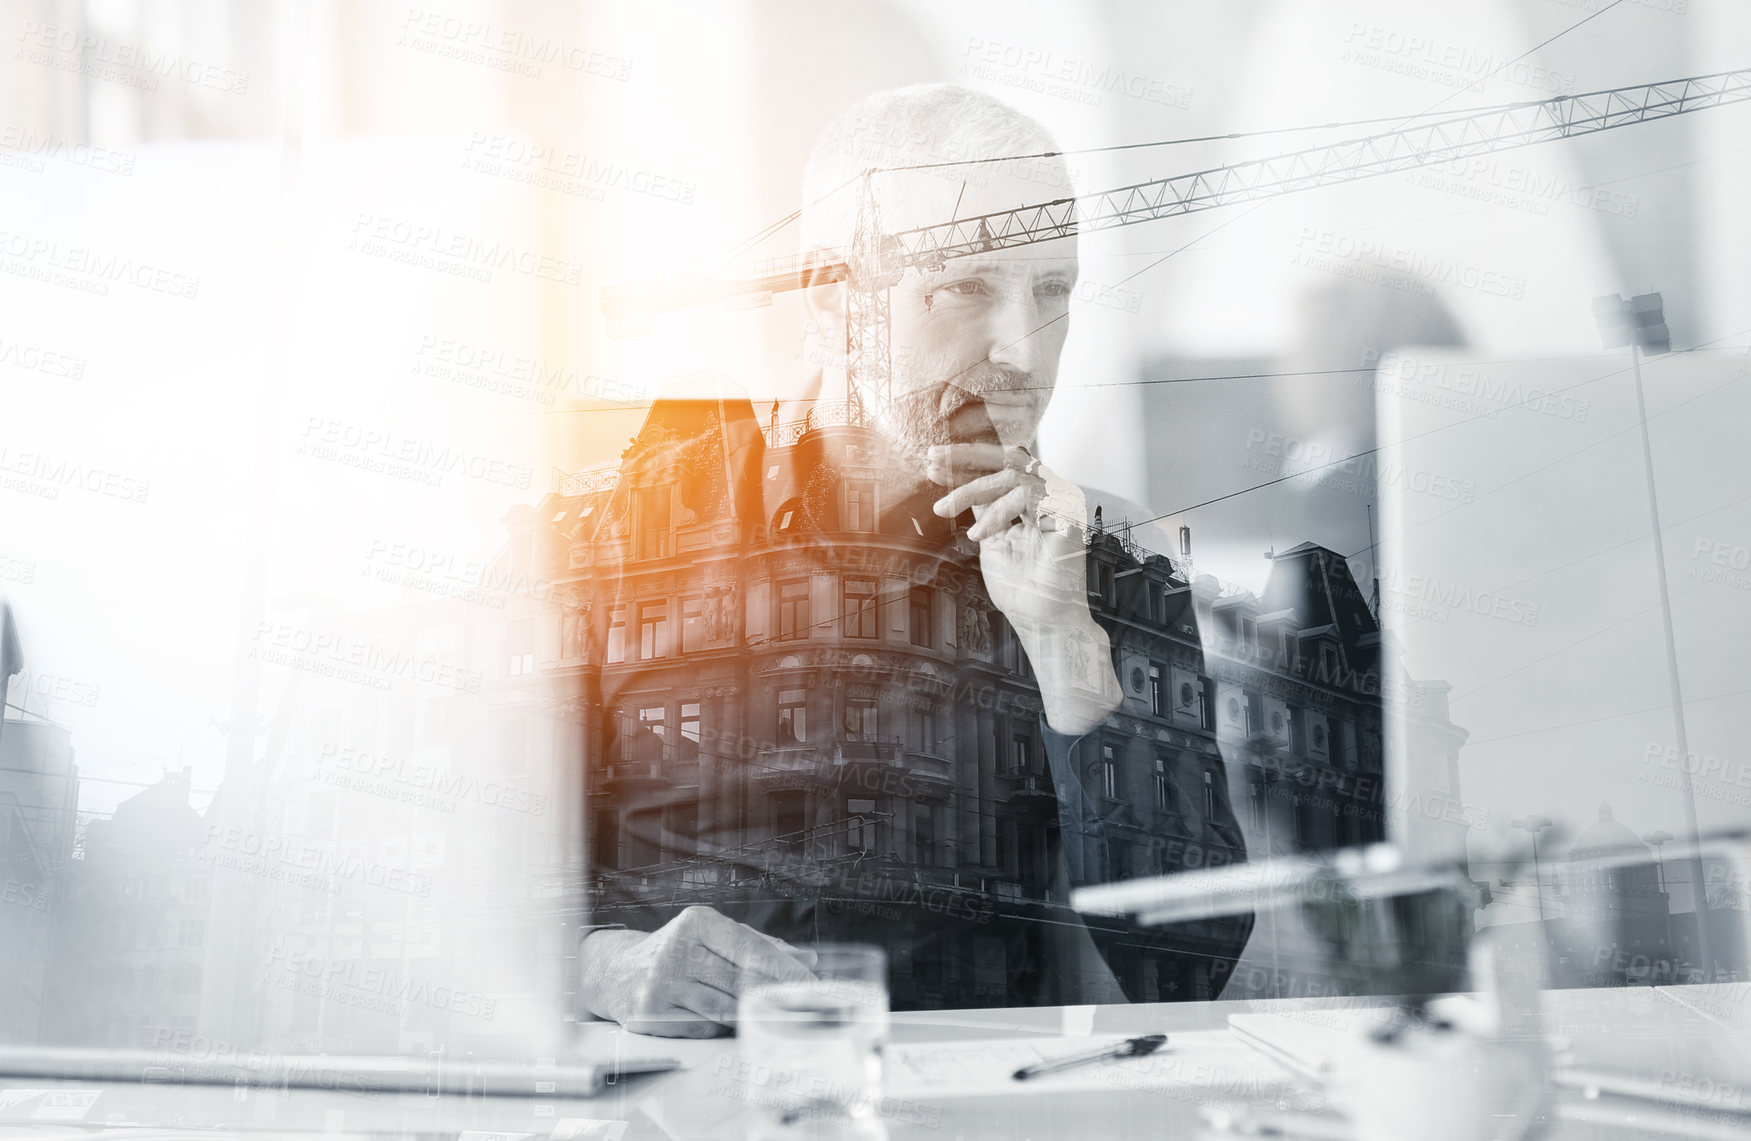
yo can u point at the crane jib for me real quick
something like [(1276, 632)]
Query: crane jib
[(1463, 136)]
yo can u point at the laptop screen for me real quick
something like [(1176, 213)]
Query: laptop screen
[(1541, 603)]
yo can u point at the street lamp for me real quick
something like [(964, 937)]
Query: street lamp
[(1535, 825), (1659, 840), (1639, 323)]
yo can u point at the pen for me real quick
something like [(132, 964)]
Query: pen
[(1129, 1048)]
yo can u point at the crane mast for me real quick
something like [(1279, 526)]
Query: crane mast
[(876, 260)]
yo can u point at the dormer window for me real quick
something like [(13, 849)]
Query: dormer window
[(860, 505), (1102, 587), (788, 517), (652, 519)]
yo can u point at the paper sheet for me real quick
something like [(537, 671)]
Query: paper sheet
[(1209, 1060)]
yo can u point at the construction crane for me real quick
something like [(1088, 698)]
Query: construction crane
[(875, 260)]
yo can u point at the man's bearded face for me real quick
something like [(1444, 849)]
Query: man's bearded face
[(974, 344), (985, 403), (974, 351)]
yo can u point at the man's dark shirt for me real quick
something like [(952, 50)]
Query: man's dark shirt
[(808, 715)]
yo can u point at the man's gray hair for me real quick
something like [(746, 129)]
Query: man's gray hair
[(926, 123)]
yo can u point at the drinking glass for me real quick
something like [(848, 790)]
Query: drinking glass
[(811, 1023)]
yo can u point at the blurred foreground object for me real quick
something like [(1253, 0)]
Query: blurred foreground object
[(1434, 1063)]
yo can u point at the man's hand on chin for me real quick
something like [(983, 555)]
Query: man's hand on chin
[(1030, 524)]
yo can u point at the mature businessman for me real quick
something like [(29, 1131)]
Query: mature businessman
[(956, 488)]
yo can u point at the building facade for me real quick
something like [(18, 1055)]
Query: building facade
[(133, 926), (753, 715), (39, 800)]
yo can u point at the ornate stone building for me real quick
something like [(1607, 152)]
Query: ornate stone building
[(784, 685)]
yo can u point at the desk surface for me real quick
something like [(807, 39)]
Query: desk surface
[(1642, 1032)]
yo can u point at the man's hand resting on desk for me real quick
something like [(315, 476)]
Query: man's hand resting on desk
[(679, 981)]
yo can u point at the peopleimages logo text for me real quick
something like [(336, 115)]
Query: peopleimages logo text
[(434, 247), (93, 52), (95, 268), (385, 445), (1320, 463), (1492, 391)]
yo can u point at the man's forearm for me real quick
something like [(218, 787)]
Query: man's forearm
[(1074, 666), (599, 982)]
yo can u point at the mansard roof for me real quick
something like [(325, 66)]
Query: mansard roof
[(707, 442), (1316, 583)]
